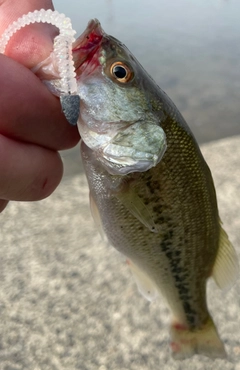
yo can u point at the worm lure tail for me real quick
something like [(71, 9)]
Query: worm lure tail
[(62, 55)]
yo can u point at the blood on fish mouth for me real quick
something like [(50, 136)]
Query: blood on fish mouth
[(86, 45)]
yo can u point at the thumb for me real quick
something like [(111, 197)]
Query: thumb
[(33, 43)]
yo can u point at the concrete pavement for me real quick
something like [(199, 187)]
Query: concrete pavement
[(67, 301)]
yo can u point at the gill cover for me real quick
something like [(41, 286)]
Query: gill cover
[(137, 148)]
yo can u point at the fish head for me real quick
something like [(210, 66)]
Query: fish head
[(116, 118)]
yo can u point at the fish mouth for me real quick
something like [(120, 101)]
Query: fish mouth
[(86, 45)]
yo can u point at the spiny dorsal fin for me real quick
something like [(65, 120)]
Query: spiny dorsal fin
[(226, 267)]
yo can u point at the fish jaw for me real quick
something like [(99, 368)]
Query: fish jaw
[(86, 45)]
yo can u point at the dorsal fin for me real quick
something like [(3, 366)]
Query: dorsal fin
[(226, 267)]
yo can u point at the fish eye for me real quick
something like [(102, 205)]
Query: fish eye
[(121, 72)]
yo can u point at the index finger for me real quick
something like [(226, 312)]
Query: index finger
[(29, 112)]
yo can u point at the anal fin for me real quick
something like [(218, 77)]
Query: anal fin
[(145, 285)]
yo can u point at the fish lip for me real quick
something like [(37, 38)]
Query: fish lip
[(87, 44)]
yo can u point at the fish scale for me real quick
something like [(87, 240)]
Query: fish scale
[(166, 241)]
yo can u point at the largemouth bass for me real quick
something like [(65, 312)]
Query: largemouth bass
[(151, 191)]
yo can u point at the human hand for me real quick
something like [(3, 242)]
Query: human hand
[(32, 126)]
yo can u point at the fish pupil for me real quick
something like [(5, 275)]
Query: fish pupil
[(119, 72)]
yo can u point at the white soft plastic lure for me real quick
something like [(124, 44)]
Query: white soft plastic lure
[(61, 57)]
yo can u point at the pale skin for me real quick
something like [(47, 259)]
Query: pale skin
[(32, 127)]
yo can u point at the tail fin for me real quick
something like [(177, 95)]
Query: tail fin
[(204, 341)]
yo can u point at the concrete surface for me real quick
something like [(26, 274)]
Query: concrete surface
[(69, 302)]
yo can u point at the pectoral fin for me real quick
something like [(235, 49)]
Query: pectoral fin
[(145, 285), (226, 267), (135, 205)]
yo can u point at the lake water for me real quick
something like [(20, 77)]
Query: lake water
[(190, 48)]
